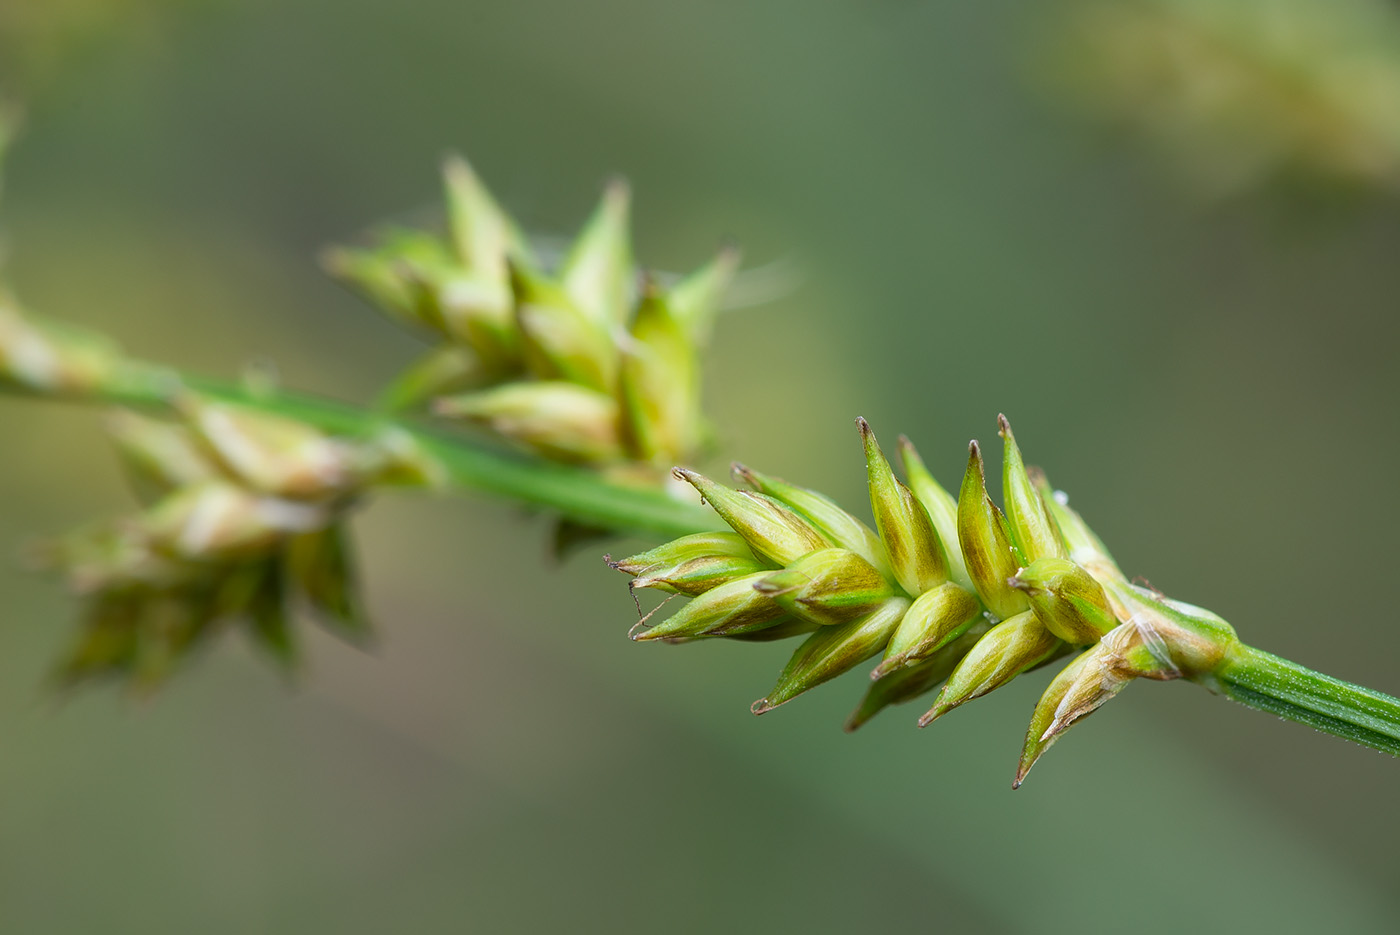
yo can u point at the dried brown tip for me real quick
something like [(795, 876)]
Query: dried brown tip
[(761, 706), (863, 427), (1003, 425), (742, 473)]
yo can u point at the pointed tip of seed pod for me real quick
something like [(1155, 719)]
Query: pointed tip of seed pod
[(863, 427), (1003, 425), (743, 474), (761, 706), (939, 709), (885, 667), (640, 632), (685, 474)]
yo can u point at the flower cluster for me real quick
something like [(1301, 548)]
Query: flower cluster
[(950, 592), (242, 520), (591, 363)]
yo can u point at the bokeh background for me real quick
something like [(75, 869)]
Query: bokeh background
[(1212, 378)]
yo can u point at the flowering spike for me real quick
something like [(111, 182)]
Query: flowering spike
[(561, 341), (1067, 599), (942, 508), (915, 553), (827, 587), (560, 420), (1031, 526), (692, 564), (986, 545), (843, 529), (1008, 649), (831, 651), (734, 607), (773, 531), (597, 273), (906, 683), (936, 618)]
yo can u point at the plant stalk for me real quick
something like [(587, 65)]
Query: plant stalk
[(1268, 683)]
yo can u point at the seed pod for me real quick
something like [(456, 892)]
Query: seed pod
[(906, 683), (915, 553), (476, 303), (598, 274), (827, 587), (986, 545), (1067, 599), (942, 508), (695, 299), (660, 383), (1031, 527), (774, 532), (158, 455), (734, 607), (400, 276), (1008, 649), (273, 454), (692, 564), (838, 526), (560, 420), (219, 521), (561, 342), (936, 618), (833, 650)]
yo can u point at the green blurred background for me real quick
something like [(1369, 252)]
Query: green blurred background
[(1214, 383)]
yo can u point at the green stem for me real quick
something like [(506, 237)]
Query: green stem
[(1268, 683), (576, 493)]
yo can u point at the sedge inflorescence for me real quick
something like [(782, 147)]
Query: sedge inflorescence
[(588, 360), (952, 593)]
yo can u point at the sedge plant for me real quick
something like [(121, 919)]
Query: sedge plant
[(573, 385)]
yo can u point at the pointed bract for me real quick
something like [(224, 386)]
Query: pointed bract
[(942, 508), (827, 587), (838, 526), (831, 651), (733, 607), (598, 274), (692, 564), (1067, 599), (936, 618), (908, 535), (773, 531), (1008, 649), (695, 299), (1031, 527), (986, 544)]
